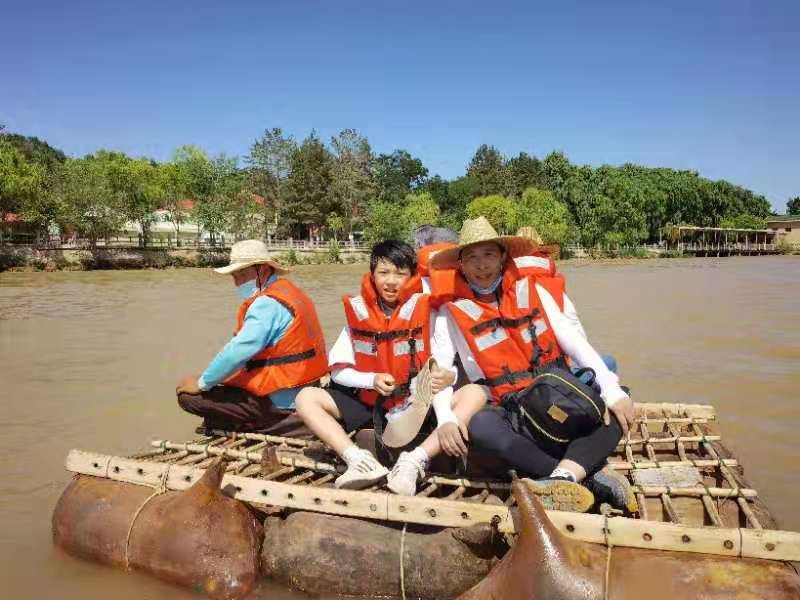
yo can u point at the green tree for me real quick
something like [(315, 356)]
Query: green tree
[(397, 174), (136, 185), (21, 181), (270, 161), (385, 221), (335, 224), (549, 216), (90, 207), (488, 167), (221, 186), (525, 171), (499, 210), (744, 221), (420, 209), (307, 201), (793, 206), (351, 184), (555, 170)]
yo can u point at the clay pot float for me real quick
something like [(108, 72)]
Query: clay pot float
[(199, 538), (546, 565)]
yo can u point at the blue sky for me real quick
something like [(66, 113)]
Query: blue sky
[(712, 86)]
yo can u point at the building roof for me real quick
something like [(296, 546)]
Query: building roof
[(783, 218)]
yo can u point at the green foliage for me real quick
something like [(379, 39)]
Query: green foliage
[(307, 200), (420, 209), (549, 216), (793, 206), (35, 150), (385, 221), (744, 221), (488, 167), (525, 171), (334, 252), (499, 210), (397, 174), (22, 182), (335, 225), (351, 184)]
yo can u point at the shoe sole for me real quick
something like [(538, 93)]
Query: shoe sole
[(562, 495), (360, 484), (631, 505)]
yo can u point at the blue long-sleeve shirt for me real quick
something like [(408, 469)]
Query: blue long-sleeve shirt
[(265, 323)]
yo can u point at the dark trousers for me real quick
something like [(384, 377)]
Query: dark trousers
[(236, 409), (492, 430)]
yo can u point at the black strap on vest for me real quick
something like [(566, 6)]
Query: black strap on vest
[(382, 336), (505, 322), (280, 360)]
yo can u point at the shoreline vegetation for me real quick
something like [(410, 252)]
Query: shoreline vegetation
[(31, 259), (313, 190)]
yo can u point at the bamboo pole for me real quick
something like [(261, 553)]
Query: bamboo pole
[(634, 533)]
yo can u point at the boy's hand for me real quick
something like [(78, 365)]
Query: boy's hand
[(187, 385), (453, 438), (441, 378), (383, 383)]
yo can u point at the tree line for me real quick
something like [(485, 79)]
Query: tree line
[(289, 188)]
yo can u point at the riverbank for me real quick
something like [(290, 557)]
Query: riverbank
[(30, 258)]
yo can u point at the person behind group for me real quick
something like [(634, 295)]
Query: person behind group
[(505, 316), (391, 332), (277, 349)]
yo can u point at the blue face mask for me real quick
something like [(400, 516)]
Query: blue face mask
[(488, 290), (247, 289)]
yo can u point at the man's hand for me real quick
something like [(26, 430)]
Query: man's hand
[(441, 378), (623, 410), (188, 385), (453, 438), (383, 383)]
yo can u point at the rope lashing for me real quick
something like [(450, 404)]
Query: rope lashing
[(160, 489), (402, 566), (607, 511)]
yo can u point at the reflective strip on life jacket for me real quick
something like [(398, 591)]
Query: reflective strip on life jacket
[(365, 347), (468, 307), (540, 262), (541, 327), (522, 289), (492, 338), (357, 303), (408, 308), (401, 348)]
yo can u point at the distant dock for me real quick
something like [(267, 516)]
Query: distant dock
[(721, 241)]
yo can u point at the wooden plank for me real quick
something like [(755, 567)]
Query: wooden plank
[(622, 465), (627, 532)]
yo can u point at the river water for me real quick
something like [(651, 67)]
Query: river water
[(90, 360)]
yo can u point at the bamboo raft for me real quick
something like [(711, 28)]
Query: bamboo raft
[(691, 490)]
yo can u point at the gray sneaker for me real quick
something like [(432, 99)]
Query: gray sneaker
[(612, 487)]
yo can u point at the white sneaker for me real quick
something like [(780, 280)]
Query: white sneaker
[(362, 471), (405, 474)]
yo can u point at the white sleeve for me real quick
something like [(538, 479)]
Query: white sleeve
[(571, 315), (342, 359), (580, 350), (350, 377), (443, 351)]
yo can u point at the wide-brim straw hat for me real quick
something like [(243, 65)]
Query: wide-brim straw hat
[(403, 423), (530, 232), (248, 253), (477, 231)]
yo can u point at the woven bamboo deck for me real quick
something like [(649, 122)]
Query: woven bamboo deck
[(692, 493)]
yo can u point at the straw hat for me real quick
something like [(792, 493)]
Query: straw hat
[(531, 233), (248, 253), (403, 423), (476, 231)]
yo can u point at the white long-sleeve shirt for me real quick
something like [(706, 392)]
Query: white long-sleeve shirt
[(341, 359), (571, 338)]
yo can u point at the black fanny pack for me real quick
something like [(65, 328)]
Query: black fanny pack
[(558, 406)]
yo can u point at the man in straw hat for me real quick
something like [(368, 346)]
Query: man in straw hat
[(504, 304), (277, 349), (392, 361)]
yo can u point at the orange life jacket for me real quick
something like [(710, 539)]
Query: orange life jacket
[(443, 281), (432, 278), (513, 341), (298, 357), (398, 344)]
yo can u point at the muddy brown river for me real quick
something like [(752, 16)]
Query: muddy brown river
[(90, 360)]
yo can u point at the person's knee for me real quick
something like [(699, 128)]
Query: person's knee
[(187, 402), (311, 400), (485, 431)]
